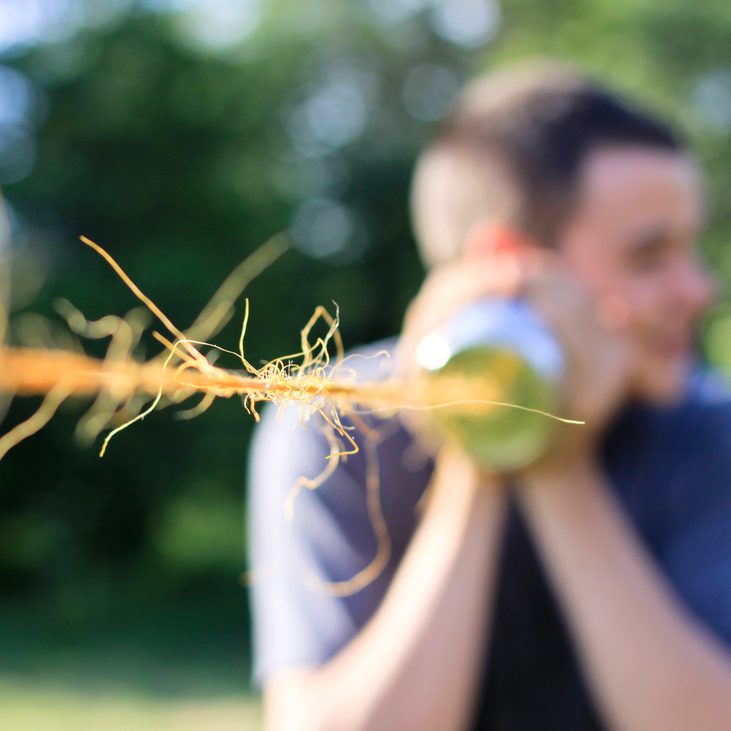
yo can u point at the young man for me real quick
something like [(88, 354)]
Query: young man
[(590, 590)]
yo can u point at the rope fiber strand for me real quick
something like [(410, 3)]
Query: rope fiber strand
[(126, 390)]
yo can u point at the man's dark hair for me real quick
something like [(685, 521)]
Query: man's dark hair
[(513, 150)]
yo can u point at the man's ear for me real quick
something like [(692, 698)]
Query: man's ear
[(492, 238)]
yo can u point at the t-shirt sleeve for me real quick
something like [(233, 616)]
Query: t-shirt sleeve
[(697, 550), (295, 622)]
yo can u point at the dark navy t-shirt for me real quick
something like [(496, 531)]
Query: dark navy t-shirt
[(669, 467)]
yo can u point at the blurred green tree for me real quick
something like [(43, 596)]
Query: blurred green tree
[(182, 134)]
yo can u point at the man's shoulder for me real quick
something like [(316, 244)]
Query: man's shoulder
[(708, 387), (703, 417), (703, 409), (368, 362), (300, 438), (675, 454), (300, 422), (692, 506)]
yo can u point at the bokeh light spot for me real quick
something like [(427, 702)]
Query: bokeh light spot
[(429, 91), (467, 23), (322, 227)]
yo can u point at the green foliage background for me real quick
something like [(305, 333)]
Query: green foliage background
[(181, 153)]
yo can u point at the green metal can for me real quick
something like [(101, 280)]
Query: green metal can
[(494, 367)]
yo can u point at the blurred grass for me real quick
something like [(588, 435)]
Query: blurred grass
[(56, 707), (133, 665)]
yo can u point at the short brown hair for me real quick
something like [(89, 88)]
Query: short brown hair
[(513, 149)]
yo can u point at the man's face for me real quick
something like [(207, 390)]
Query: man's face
[(632, 243)]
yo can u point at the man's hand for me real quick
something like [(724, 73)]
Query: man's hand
[(450, 288), (598, 358), (597, 355)]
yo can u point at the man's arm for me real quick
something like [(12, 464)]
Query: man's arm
[(416, 663), (650, 664)]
